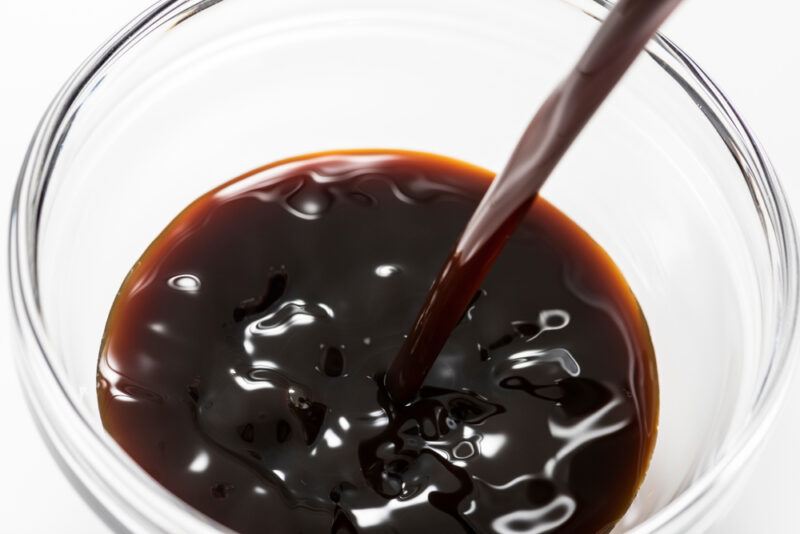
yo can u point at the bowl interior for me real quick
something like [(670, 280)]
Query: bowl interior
[(203, 98)]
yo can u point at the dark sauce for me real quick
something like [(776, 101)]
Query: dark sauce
[(244, 359), (556, 124)]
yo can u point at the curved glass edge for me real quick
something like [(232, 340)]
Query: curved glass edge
[(91, 462), (145, 506), (779, 229)]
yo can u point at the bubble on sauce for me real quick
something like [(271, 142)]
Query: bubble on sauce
[(310, 200), (464, 450), (184, 282), (553, 319), (547, 320), (299, 432)]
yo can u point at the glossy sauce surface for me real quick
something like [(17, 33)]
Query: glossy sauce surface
[(558, 121), (243, 360)]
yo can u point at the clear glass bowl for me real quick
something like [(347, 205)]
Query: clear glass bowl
[(666, 178)]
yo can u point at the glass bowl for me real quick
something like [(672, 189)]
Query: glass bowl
[(666, 178)]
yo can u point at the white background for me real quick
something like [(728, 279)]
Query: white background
[(749, 48)]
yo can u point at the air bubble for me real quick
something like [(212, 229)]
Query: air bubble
[(309, 201), (184, 282), (464, 450), (553, 319)]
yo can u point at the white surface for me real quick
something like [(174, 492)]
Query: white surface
[(748, 48)]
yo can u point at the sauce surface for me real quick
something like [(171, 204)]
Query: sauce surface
[(243, 360)]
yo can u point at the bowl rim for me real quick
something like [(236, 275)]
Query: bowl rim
[(93, 462)]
